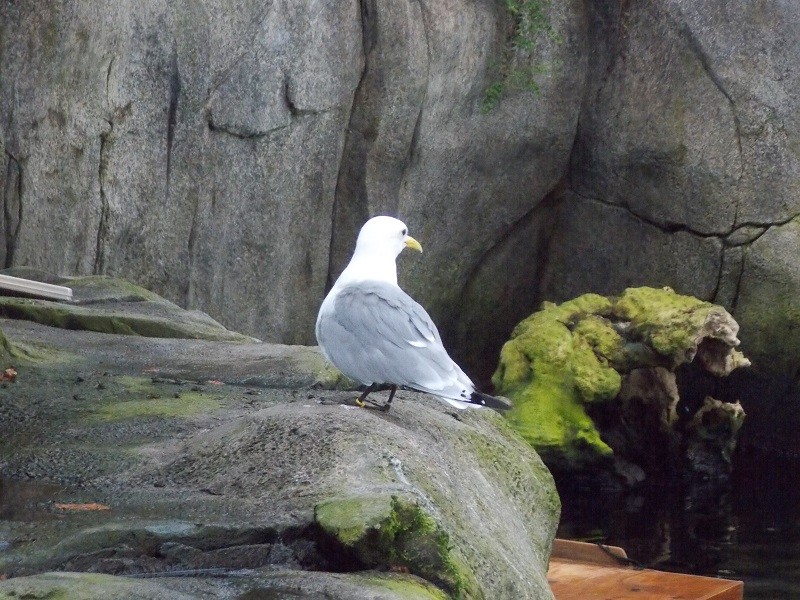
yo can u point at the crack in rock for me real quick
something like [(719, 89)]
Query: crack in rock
[(739, 235), (12, 205), (102, 173), (241, 134)]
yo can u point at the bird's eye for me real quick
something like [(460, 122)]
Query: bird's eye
[(405, 231)]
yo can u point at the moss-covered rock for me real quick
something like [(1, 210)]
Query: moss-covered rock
[(568, 358), (265, 472), (549, 373), (390, 531), (111, 305), (674, 325), (86, 586)]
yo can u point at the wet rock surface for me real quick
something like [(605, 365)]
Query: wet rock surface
[(234, 470)]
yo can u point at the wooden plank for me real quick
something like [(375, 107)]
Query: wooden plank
[(572, 580), (35, 288), (588, 553)]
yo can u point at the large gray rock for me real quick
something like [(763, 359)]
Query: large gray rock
[(206, 459), (192, 148), (685, 173), (693, 113), (225, 154)]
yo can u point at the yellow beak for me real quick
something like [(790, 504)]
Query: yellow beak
[(413, 244)]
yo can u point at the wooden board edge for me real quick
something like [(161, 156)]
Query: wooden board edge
[(588, 553), (35, 288)]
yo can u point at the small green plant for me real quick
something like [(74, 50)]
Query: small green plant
[(516, 72)]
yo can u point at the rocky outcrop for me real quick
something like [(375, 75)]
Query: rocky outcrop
[(593, 382), (228, 469), (225, 154), (110, 305), (683, 165), (309, 586)]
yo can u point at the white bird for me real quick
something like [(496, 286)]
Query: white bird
[(375, 333)]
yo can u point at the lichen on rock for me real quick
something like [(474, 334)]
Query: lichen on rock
[(391, 531), (577, 370), (6, 348)]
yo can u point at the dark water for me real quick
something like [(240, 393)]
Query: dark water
[(747, 529)]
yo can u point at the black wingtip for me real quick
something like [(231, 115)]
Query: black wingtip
[(495, 402)]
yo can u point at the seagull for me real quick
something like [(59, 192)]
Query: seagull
[(375, 333)]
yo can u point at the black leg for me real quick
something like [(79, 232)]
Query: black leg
[(388, 404), (363, 401), (370, 388)]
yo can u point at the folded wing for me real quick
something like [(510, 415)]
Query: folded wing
[(376, 333)]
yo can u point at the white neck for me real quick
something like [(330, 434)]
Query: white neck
[(366, 266)]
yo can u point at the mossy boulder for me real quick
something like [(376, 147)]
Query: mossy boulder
[(550, 373), (87, 586), (678, 328), (110, 305), (566, 364)]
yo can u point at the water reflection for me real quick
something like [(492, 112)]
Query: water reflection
[(748, 528)]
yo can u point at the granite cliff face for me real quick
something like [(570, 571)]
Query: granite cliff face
[(225, 155)]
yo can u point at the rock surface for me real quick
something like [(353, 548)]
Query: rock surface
[(287, 584), (235, 465), (109, 305), (225, 154), (689, 136)]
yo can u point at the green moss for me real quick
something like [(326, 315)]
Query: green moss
[(40, 353), (6, 349), (186, 405), (112, 287), (667, 321), (142, 399), (22, 352), (517, 69), (600, 335), (408, 588), (391, 531), (326, 376), (62, 316), (549, 371), (569, 355), (349, 519)]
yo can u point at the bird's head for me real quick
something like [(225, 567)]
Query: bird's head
[(385, 235)]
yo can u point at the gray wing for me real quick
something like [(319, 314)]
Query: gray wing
[(375, 332)]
